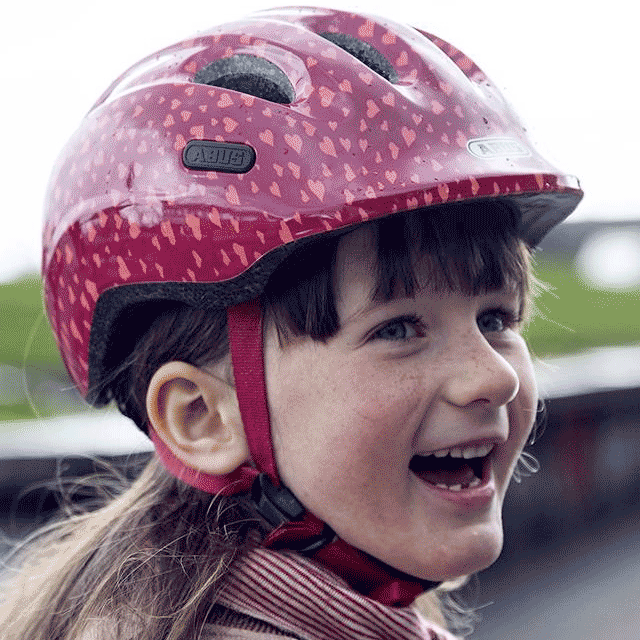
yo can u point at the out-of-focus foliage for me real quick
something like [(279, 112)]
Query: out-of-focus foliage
[(573, 315), (27, 346), (25, 336)]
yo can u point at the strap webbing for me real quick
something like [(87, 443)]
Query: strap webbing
[(246, 344)]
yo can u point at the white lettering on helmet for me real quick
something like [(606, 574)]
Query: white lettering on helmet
[(497, 148)]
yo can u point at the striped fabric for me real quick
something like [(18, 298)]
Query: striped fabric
[(269, 594)]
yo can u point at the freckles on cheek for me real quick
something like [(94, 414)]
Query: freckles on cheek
[(387, 401), (387, 416)]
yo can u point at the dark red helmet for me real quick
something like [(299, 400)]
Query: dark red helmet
[(198, 168)]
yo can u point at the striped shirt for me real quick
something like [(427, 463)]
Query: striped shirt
[(280, 594)]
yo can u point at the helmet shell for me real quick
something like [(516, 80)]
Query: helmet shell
[(125, 213)]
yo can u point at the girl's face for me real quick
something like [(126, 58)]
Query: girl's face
[(354, 419)]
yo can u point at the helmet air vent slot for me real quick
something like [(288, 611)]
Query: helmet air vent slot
[(248, 74), (366, 53)]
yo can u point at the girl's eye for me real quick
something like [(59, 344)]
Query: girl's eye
[(399, 329), (497, 320)]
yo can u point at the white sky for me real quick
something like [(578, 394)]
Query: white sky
[(570, 71)]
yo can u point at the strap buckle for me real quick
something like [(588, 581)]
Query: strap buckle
[(278, 506)]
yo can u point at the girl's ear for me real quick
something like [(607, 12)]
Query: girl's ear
[(196, 414)]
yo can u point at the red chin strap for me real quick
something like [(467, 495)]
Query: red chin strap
[(245, 342), (295, 528)]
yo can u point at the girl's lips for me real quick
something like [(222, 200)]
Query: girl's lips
[(469, 498)]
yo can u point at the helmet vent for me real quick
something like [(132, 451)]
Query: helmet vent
[(366, 53), (248, 74)]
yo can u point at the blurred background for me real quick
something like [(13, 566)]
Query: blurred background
[(571, 563)]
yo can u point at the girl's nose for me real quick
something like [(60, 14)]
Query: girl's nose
[(480, 374)]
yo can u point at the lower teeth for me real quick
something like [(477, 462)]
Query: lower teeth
[(458, 487)]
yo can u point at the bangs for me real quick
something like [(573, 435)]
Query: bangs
[(471, 247)]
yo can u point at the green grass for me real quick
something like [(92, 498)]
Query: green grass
[(20, 411), (573, 316), (25, 333), (26, 341)]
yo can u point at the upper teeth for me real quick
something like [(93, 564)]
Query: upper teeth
[(464, 452)]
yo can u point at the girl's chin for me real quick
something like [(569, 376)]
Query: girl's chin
[(459, 558), (461, 563)]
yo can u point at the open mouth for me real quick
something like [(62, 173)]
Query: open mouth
[(453, 469)]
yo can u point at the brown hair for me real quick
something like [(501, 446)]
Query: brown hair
[(151, 559)]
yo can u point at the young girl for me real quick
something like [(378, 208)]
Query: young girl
[(294, 250)]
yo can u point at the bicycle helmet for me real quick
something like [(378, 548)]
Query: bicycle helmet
[(195, 173)]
